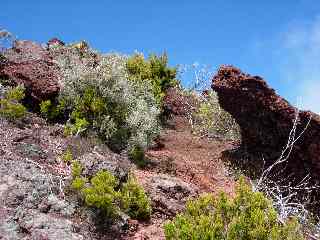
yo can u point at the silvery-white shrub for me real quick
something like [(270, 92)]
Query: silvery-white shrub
[(108, 75)]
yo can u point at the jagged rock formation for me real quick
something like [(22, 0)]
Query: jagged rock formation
[(266, 120), (30, 64)]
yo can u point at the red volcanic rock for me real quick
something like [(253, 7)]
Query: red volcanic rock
[(30, 64), (177, 103), (55, 42), (266, 120)]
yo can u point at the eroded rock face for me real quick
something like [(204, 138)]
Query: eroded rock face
[(266, 120), (30, 64)]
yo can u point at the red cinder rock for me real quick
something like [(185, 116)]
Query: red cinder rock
[(30, 64), (266, 120), (55, 42), (177, 103)]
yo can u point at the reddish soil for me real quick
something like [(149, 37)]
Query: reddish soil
[(191, 158)]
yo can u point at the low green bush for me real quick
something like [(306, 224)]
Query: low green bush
[(104, 192), (153, 70), (67, 156), (134, 200), (51, 111), (101, 194), (78, 127), (247, 216), (10, 106)]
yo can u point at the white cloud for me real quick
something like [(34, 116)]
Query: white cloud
[(301, 59)]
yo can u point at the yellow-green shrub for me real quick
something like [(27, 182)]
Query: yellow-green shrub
[(10, 108), (153, 70), (103, 192), (134, 200), (248, 216), (51, 111)]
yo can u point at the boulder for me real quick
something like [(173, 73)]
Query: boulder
[(105, 159), (169, 194), (266, 120), (30, 64)]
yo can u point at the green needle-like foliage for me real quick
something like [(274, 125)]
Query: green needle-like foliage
[(247, 216), (134, 200), (102, 194), (10, 108), (154, 70)]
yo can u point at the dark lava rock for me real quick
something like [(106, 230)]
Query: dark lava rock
[(30, 64), (105, 159), (169, 194), (266, 120)]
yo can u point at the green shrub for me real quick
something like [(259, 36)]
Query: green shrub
[(78, 183), (76, 169), (136, 154), (96, 93), (102, 193), (154, 70), (50, 110), (134, 200), (10, 108), (211, 119), (67, 156), (80, 125), (249, 215)]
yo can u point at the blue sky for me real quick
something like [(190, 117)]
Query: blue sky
[(278, 40)]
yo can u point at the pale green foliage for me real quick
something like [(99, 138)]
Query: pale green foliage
[(78, 183), (45, 108), (134, 200), (211, 119), (10, 108), (248, 216), (96, 88), (50, 110)]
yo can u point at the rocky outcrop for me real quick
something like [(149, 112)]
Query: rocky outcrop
[(30, 64), (266, 120)]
